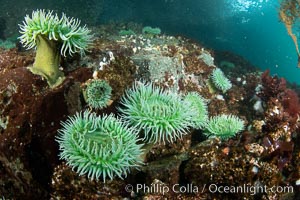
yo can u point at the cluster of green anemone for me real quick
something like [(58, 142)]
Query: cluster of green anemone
[(97, 145), (106, 146), (162, 116)]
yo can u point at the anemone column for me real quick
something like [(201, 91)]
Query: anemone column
[(47, 61)]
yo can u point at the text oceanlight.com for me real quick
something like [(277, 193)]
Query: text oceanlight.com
[(212, 188), (250, 189)]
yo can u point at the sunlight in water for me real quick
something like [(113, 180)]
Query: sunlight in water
[(246, 5)]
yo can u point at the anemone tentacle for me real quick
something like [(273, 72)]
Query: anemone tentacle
[(99, 146)]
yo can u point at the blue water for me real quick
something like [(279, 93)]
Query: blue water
[(250, 28)]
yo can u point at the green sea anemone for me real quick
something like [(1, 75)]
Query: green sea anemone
[(197, 105), (224, 126), (97, 93), (126, 32), (151, 31), (220, 80), (52, 36), (99, 146), (161, 116)]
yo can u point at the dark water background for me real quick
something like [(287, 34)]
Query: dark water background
[(250, 28)]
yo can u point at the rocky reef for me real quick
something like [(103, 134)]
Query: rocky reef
[(264, 155)]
